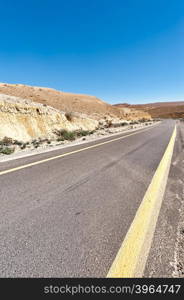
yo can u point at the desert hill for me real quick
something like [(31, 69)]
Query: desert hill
[(158, 109), (69, 102), (66, 102)]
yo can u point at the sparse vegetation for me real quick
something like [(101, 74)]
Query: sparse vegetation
[(6, 141), (23, 146), (6, 144), (80, 133), (134, 122), (143, 120), (109, 123), (36, 143), (69, 116), (92, 131), (6, 150), (123, 124), (64, 134), (18, 143)]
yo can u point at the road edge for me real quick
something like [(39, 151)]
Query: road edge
[(38, 162), (19, 155), (131, 258)]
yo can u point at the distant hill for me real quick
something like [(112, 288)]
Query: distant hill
[(158, 109)]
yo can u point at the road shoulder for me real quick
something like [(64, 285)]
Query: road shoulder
[(68, 145), (166, 255)]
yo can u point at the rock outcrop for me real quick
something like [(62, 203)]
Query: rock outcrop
[(25, 120), (68, 102), (28, 113)]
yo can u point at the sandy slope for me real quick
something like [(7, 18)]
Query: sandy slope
[(61, 100)]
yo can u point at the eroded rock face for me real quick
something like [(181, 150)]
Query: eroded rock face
[(25, 120), (28, 113), (61, 100), (90, 105)]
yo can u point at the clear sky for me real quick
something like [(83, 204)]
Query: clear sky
[(119, 50)]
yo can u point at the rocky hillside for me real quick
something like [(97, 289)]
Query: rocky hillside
[(28, 113), (159, 109), (25, 120), (68, 102)]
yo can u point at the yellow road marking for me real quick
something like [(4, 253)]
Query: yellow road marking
[(69, 153), (132, 255)]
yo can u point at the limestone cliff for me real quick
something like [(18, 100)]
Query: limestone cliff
[(24, 120)]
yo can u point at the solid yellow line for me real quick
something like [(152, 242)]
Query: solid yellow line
[(68, 153), (132, 255)]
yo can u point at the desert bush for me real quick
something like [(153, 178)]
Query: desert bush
[(134, 122), (6, 141), (64, 134), (123, 124), (80, 133), (143, 120), (23, 146), (36, 143), (69, 135), (69, 116), (6, 150), (109, 123), (48, 141), (60, 139), (18, 143)]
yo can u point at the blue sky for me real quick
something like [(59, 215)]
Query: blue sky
[(121, 51)]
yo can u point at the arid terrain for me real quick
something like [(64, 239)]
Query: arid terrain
[(68, 102), (36, 116), (33, 116), (163, 110), (84, 178)]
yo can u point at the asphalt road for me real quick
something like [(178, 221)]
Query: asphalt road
[(68, 217), (166, 257)]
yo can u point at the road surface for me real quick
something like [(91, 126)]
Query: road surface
[(67, 217)]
